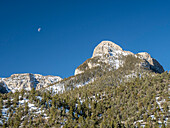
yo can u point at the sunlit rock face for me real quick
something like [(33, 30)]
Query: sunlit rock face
[(77, 71), (154, 64), (28, 81), (111, 53), (106, 48), (110, 49)]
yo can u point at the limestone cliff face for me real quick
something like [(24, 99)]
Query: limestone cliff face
[(112, 54), (154, 64), (44, 81), (105, 48), (28, 81), (108, 48)]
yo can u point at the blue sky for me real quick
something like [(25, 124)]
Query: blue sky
[(72, 28)]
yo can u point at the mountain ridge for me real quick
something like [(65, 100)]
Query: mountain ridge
[(110, 53), (118, 89), (28, 81), (106, 55)]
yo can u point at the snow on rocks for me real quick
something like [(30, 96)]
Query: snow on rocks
[(28, 81), (56, 88), (111, 53)]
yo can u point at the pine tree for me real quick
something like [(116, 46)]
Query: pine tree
[(1, 106), (26, 108), (71, 112), (4, 125)]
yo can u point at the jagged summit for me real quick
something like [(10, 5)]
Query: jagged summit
[(112, 54), (28, 81), (154, 64)]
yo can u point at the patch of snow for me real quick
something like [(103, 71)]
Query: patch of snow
[(153, 117), (159, 103), (82, 84), (56, 88), (117, 64), (23, 101), (32, 106), (39, 97), (67, 110)]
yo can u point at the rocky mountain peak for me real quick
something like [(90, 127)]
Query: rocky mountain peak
[(112, 54), (154, 64), (105, 47), (146, 56), (28, 81)]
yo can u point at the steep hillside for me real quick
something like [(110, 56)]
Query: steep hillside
[(104, 103)]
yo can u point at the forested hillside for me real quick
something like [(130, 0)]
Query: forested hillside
[(142, 101), (113, 89)]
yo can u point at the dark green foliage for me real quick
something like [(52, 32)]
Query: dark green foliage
[(110, 101)]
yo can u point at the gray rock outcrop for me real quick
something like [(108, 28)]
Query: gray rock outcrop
[(107, 48), (3, 87), (28, 81), (154, 64)]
